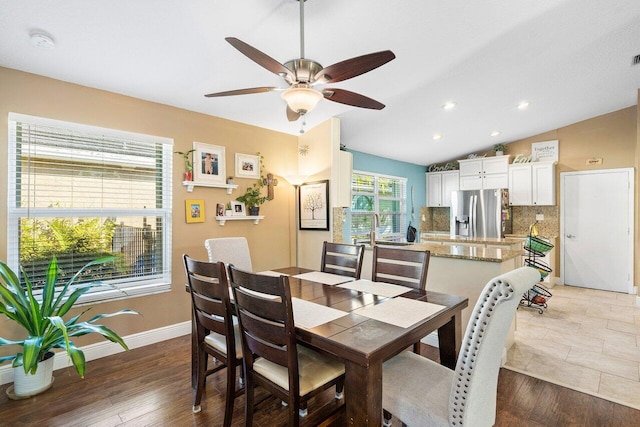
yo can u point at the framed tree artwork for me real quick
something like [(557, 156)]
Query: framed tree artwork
[(313, 205)]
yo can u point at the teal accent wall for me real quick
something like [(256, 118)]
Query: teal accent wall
[(415, 175)]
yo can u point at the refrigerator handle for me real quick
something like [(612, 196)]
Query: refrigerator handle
[(472, 216)]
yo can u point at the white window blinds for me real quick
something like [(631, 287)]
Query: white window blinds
[(80, 192), (381, 194)]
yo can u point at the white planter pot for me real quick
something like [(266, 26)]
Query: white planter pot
[(26, 385), (499, 153)]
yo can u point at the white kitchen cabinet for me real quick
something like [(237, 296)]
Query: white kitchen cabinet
[(439, 188), (532, 184), (345, 170), (484, 173)]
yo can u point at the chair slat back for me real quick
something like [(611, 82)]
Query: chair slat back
[(209, 291), (399, 266), (265, 314), (473, 393), (342, 259)]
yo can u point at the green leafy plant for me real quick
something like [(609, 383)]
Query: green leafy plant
[(186, 155), (500, 147), (43, 320), (253, 196)]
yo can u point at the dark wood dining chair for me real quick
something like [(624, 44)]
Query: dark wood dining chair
[(423, 393), (342, 259), (404, 267), (216, 329), (293, 373)]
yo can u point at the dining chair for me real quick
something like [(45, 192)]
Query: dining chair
[(404, 267), (291, 372), (421, 392), (216, 329), (342, 259), (230, 250)]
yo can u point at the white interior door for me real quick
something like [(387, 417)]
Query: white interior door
[(596, 229)]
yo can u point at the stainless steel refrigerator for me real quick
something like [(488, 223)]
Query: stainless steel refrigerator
[(480, 213)]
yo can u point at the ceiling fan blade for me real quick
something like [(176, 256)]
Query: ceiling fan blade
[(292, 116), (353, 67), (242, 91), (260, 58), (351, 98)]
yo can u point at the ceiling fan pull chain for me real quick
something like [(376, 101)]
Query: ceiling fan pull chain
[(304, 123)]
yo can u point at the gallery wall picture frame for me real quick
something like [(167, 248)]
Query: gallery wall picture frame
[(209, 163), (247, 166), (237, 208), (313, 205), (194, 210), (220, 209)]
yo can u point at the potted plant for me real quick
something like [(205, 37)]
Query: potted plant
[(500, 149), (45, 328), (188, 164), (252, 198)]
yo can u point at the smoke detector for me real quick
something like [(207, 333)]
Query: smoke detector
[(42, 41)]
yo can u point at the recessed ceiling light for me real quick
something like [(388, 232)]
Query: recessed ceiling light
[(495, 133), (42, 41), (523, 105), (449, 105), (437, 136)]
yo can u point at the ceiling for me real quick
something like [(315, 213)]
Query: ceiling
[(571, 59)]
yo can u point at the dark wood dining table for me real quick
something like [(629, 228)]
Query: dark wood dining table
[(363, 344)]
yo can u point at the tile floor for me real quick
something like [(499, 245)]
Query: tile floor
[(587, 340)]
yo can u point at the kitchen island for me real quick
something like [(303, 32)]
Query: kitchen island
[(460, 270)]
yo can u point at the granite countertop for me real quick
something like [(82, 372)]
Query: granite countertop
[(439, 237), (466, 252)]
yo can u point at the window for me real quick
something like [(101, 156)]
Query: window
[(384, 195), (80, 192)]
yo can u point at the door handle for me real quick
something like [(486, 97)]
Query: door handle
[(570, 236)]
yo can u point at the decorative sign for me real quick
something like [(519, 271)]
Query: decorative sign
[(544, 151), (594, 161)]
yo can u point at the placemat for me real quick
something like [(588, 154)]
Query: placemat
[(400, 311), (308, 315), (326, 278), (376, 288)]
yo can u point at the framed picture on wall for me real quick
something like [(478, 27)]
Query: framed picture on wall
[(194, 210), (247, 166), (209, 163), (237, 208), (313, 205)]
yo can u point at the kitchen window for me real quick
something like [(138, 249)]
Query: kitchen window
[(80, 192), (381, 194)]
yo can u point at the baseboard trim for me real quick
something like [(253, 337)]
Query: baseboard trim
[(107, 348)]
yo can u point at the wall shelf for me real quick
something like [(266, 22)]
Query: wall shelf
[(255, 218), (191, 184)]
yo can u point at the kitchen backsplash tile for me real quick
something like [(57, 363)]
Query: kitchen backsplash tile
[(437, 219), (524, 216)]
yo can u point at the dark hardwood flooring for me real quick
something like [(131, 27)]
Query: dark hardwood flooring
[(150, 386)]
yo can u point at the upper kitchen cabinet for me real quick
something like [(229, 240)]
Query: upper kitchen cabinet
[(484, 173), (439, 187), (345, 170), (532, 184)]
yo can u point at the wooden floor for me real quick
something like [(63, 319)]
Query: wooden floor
[(150, 386)]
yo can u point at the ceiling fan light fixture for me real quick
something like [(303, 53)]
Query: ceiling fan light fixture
[(301, 99)]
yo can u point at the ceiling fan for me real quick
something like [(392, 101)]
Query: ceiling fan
[(303, 74)]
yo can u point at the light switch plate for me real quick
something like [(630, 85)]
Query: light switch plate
[(539, 217)]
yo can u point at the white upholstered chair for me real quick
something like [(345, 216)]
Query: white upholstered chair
[(421, 392), (230, 250)]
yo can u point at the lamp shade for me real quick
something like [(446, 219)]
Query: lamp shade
[(301, 99)]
